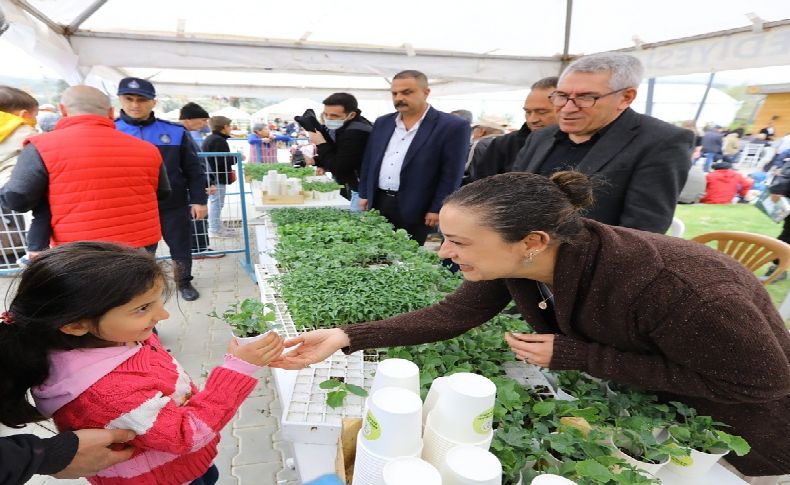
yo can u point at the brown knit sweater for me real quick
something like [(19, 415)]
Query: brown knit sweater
[(656, 312)]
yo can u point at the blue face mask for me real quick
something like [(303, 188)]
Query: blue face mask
[(334, 124)]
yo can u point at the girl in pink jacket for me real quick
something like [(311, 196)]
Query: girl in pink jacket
[(79, 334)]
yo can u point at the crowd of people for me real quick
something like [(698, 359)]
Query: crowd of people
[(565, 217)]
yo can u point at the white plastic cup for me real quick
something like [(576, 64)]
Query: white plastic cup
[(397, 373), (470, 465), (409, 471), (369, 466), (437, 386), (392, 424), (246, 340), (549, 479), (695, 465), (436, 446), (465, 410)]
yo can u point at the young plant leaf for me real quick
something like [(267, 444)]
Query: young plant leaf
[(356, 390), (330, 384), (334, 399)]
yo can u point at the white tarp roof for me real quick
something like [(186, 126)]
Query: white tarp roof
[(253, 48)]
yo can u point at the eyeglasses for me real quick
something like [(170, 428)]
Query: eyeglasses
[(560, 99)]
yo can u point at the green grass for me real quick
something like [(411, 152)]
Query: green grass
[(702, 218)]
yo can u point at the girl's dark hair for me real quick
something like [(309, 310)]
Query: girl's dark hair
[(70, 283), (515, 204)]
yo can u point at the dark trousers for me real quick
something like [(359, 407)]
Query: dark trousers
[(386, 202), (176, 231), (208, 478)]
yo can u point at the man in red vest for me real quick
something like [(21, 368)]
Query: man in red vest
[(87, 181)]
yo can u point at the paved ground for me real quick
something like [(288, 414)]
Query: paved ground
[(252, 451)]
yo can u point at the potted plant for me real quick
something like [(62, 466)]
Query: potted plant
[(706, 443), (635, 442), (249, 319)]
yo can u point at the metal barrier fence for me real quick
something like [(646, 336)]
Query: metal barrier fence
[(225, 230), (228, 234)]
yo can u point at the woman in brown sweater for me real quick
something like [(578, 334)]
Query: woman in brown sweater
[(659, 313)]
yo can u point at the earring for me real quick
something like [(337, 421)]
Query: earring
[(528, 259)]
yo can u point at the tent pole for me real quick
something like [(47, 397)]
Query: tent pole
[(651, 84), (79, 19), (704, 98), (567, 45), (24, 5)]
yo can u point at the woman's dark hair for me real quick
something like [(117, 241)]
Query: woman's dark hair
[(515, 204), (70, 283)]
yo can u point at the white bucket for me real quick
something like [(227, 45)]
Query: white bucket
[(549, 479), (246, 340)]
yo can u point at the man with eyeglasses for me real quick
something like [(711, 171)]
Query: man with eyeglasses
[(341, 154), (641, 162), (501, 153)]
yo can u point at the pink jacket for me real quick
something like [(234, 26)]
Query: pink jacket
[(143, 388)]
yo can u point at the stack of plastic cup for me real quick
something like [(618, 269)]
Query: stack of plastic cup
[(390, 429), (410, 471), (397, 373), (463, 415), (470, 465), (434, 392)]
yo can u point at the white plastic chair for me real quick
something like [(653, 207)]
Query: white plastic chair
[(750, 155)]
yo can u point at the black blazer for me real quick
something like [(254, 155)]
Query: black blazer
[(643, 162), (432, 168)]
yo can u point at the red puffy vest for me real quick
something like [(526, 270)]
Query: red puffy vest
[(102, 183)]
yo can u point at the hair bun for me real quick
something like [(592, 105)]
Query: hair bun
[(576, 186)]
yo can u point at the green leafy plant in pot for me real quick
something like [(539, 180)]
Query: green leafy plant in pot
[(636, 443), (706, 443), (248, 319)]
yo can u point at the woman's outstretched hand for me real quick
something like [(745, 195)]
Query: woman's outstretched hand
[(534, 348), (310, 348)]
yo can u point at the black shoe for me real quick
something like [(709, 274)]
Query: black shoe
[(188, 292)]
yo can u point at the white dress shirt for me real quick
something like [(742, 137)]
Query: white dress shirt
[(389, 175)]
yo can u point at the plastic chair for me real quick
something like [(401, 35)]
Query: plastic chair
[(750, 155), (751, 250)]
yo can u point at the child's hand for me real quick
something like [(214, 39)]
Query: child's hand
[(260, 352)]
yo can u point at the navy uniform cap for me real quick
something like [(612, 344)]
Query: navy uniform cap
[(135, 85)]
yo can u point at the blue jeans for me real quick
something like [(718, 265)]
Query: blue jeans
[(208, 478), (216, 202), (355, 202), (710, 157)]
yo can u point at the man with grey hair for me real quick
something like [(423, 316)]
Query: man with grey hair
[(641, 162), (86, 181)]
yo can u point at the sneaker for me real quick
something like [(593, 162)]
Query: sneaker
[(224, 232), (188, 292), (207, 254), (24, 261)]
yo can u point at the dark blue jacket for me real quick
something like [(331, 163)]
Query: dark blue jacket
[(433, 166), (185, 171)]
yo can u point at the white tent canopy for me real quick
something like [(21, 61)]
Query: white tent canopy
[(197, 48), (235, 114)]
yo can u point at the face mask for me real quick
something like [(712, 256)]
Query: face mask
[(334, 124)]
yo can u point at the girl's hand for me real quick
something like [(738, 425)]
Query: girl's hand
[(534, 348), (315, 346), (259, 352)]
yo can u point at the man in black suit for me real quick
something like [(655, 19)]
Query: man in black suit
[(641, 162), (414, 158)]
